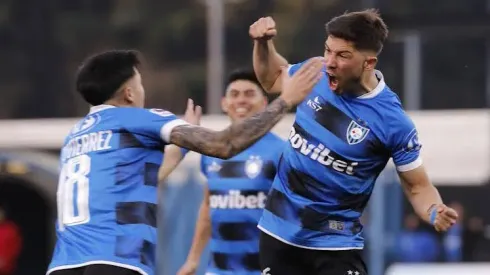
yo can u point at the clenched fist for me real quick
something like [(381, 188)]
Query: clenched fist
[(442, 217), (263, 29)]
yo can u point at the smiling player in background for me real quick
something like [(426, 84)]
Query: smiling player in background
[(236, 189), (345, 132)]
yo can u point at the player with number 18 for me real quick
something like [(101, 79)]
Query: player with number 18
[(110, 164)]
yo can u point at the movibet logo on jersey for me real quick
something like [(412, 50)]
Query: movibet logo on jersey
[(235, 200), (320, 153)]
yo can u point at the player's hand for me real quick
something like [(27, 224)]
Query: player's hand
[(263, 29), (443, 217), (297, 87), (189, 268), (193, 113)]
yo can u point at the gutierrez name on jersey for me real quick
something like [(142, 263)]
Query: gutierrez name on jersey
[(86, 143), (235, 200), (320, 153)]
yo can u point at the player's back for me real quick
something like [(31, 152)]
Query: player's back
[(338, 145), (238, 189), (108, 189)]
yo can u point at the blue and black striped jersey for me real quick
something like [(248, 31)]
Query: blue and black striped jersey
[(107, 188), (238, 189), (337, 147)]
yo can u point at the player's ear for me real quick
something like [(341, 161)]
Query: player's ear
[(224, 105), (370, 63), (128, 94)]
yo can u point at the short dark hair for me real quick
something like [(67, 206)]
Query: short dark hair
[(366, 29), (243, 74), (101, 75)]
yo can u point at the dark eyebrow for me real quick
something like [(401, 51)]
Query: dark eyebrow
[(339, 52)]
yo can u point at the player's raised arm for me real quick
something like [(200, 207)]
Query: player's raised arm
[(171, 159), (240, 135), (269, 65), (173, 154)]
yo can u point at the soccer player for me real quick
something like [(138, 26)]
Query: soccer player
[(236, 190), (110, 161), (345, 132)]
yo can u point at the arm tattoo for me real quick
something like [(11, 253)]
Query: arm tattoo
[(232, 140)]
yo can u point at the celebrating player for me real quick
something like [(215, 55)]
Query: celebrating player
[(345, 132), (110, 161), (236, 191)]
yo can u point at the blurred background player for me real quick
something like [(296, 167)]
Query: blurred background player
[(236, 189), (344, 133), (110, 162)]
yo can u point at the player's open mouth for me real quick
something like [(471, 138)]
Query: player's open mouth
[(333, 82)]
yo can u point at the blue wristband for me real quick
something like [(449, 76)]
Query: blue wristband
[(433, 214), (184, 151)]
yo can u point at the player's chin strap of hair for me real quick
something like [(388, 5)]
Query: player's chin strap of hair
[(432, 213)]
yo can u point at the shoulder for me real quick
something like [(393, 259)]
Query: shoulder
[(397, 122)]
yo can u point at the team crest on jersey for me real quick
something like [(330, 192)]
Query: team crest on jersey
[(412, 142), (86, 124), (253, 166), (356, 133), (161, 112)]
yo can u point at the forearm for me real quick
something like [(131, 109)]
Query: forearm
[(201, 235), (234, 139), (267, 63), (422, 197), (171, 159)]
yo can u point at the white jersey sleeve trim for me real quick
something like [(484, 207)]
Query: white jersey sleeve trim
[(410, 166), (168, 127)]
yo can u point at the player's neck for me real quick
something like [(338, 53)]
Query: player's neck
[(369, 82), (117, 103)]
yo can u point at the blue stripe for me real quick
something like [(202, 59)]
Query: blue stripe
[(234, 246), (235, 215), (225, 184)]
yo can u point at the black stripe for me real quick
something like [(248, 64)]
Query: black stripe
[(151, 174), (235, 231), (236, 169), (128, 140), (308, 187), (308, 218), (136, 213), (131, 247), (333, 119), (232, 261)]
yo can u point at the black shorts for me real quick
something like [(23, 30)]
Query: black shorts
[(96, 269), (278, 258)]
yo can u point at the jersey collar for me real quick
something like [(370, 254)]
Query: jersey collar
[(381, 86), (98, 108)]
